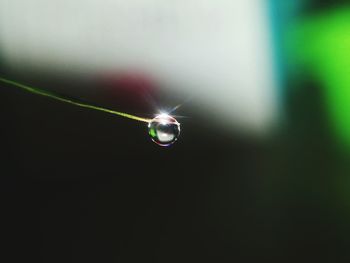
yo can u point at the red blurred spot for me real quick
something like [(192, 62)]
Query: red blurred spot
[(132, 90)]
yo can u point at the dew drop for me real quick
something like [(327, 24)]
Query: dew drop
[(164, 130)]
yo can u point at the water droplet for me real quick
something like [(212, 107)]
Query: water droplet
[(164, 130)]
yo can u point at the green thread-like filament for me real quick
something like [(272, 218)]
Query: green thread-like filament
[(80, 104)]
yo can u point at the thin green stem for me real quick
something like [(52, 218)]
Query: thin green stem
[(76, 103)]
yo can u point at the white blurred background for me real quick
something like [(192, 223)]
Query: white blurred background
[(218, 53)]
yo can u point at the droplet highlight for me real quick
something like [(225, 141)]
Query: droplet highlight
[(164, 130)]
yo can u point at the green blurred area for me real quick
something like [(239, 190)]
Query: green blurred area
[(318, 45)]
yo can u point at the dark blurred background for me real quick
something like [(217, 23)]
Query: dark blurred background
[(79, 185)]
